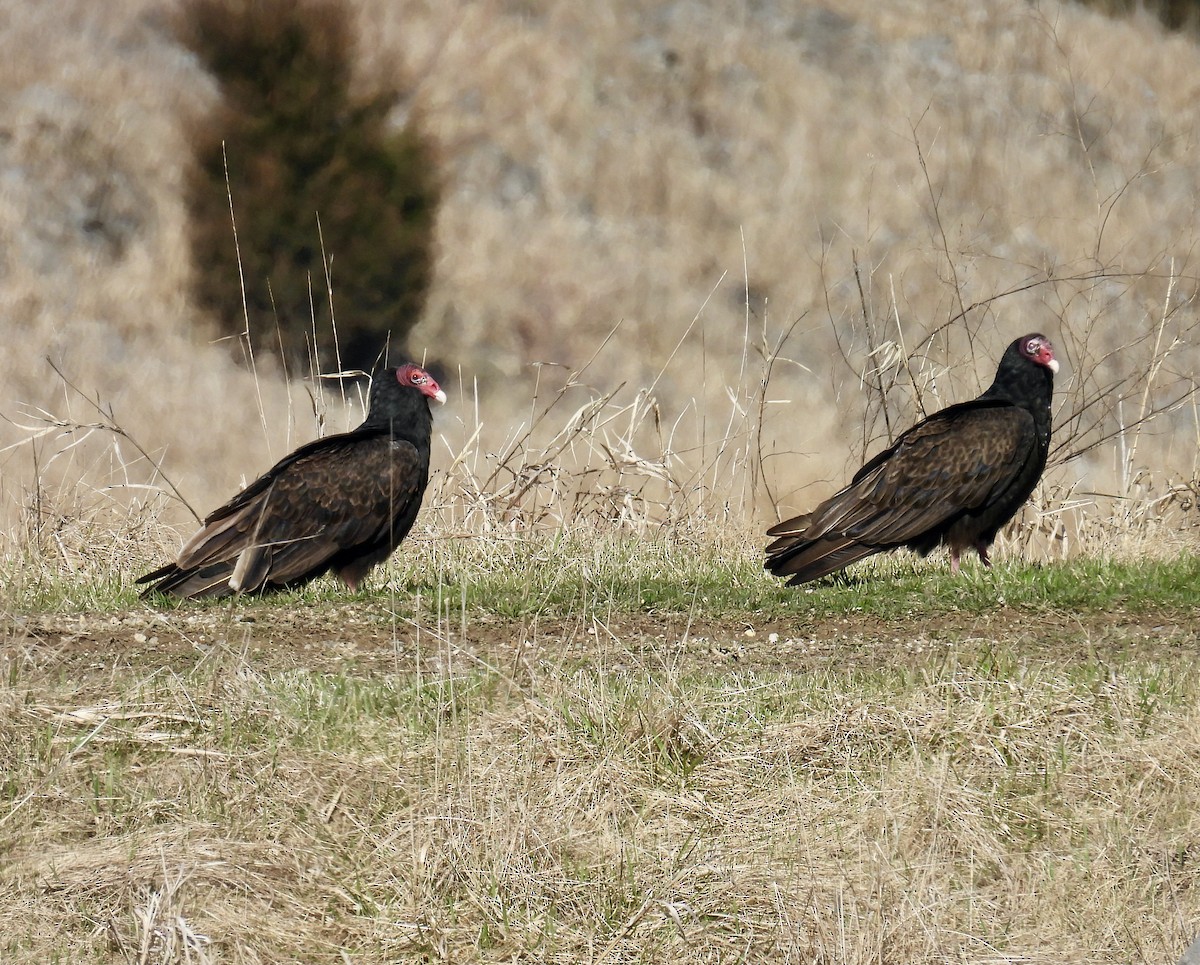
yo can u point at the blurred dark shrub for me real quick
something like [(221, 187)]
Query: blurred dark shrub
[(1182, 15), (317, 176)]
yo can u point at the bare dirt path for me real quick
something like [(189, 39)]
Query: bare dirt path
[(360, 638)]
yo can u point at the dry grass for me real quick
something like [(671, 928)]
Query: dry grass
[(965, 812)]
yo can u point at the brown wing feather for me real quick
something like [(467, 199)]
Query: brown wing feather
[(311, 518), (950, 464), (323, 503), (939, 468)]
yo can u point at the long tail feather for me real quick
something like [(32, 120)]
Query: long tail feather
[(807, 560)]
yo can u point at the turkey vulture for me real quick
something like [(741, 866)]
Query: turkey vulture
[(955, 478), (342, 503)]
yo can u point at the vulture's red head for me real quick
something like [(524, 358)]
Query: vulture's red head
[(1037, 349), (416, 377)]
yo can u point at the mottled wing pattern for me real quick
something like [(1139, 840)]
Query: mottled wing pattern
[(286, 526), (951, 463), (939, 468)]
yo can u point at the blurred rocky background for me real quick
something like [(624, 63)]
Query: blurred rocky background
[(857, 203)]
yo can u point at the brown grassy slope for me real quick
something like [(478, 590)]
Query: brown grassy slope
[(701, 174)]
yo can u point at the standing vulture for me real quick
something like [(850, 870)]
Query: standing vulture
[(342, 503), (955, 478)]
